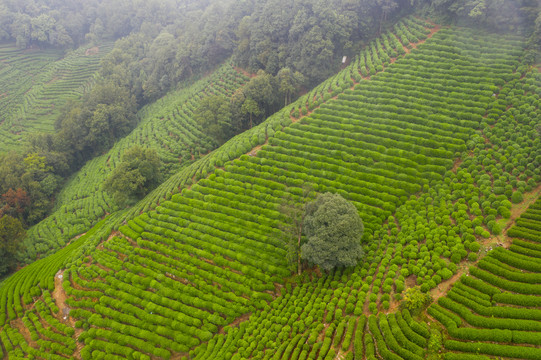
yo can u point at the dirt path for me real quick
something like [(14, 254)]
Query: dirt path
[(244, 72), (255, 150), (236, 322), (19, 325), (446, 285), (456, 165), (516, 211), (434, 30), (59, 296)]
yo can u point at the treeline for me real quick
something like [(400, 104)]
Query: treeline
[(70, 23), (223, 118)]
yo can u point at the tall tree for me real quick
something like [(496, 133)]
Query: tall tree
[(251, 108), (15, 203), (214, 116), (137, 174), (386, 6), (334, 230), (290, 82)]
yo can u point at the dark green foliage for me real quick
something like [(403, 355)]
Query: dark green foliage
[(27, 184), (516, 197), (11, 236), (334, 230), (92, 126), (136, 175), (214, 116)]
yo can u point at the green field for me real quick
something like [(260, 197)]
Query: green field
[(431, 138), (37, 83)]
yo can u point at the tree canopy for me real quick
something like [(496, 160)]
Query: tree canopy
[(11, 235), (214, 116), (135, 176), (93, 125), (27, 184), (333, 229)]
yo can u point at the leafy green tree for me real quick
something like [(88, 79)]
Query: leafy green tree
[(497, 14), (250, 107), (290, 82), (137, 174), (162, 66), (263, 89), (32, 175), (334, 230), (214, 116), (415, 300), (88, 127), (11, 236), (386, 6)]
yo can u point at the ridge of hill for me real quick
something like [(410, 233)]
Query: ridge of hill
[(37, 83), (174, 277)]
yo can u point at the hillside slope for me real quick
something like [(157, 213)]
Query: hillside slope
[(496, 309), (175, 276), (353, 314), (165, 126), (36, 85)]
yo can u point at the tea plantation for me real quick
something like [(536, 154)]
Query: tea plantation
[(37, 83), (166, 126), (431, 132)]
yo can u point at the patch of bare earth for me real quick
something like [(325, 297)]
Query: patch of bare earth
[(244, 72), (516, 211), (456, 165), (60, 296), (256, 149), (393, 307), (446, 285), (92, 51), (113, 234), (19, 325), (498, 240), (237, 321)]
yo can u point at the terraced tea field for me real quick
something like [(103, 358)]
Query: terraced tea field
[(37, 83), (166, 126), (430, 133), (495, 310)]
